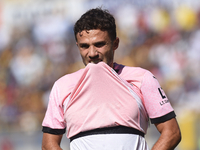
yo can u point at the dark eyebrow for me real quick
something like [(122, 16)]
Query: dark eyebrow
[(101, 43)]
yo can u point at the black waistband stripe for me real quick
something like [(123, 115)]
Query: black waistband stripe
[(109, 130)]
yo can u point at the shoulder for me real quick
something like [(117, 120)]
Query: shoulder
[(64, 85), (134, 75), (135, 70), (132, 72)]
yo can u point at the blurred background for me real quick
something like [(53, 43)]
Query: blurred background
[(37, 47)]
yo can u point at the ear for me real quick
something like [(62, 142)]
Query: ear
[(116, 43)]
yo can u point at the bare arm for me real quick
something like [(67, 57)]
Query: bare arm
[(51, 141), (170, 135)]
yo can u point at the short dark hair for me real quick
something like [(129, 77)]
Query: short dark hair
[(96, 19)]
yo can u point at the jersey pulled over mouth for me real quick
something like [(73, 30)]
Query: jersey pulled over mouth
[(95, 61)]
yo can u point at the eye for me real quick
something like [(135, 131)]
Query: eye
[(100, 44), (84, 46)]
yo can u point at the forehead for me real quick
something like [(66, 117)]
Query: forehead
[(88, 35)]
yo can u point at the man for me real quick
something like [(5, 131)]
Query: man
[(106, 105)]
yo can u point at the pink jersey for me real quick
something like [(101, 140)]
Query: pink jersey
[(98, 96)]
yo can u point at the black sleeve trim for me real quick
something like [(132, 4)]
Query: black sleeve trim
[(163, 118), (53, 131)]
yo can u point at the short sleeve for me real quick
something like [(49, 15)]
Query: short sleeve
[(155, 100), (54, 117)]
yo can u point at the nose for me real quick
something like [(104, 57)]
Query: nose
[(93, 53)]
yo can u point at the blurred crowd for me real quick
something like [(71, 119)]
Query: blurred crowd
[(164, 39)]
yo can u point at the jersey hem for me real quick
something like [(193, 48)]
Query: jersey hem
[(109, 130)]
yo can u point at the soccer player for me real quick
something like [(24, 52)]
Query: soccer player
[(106, 106)]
